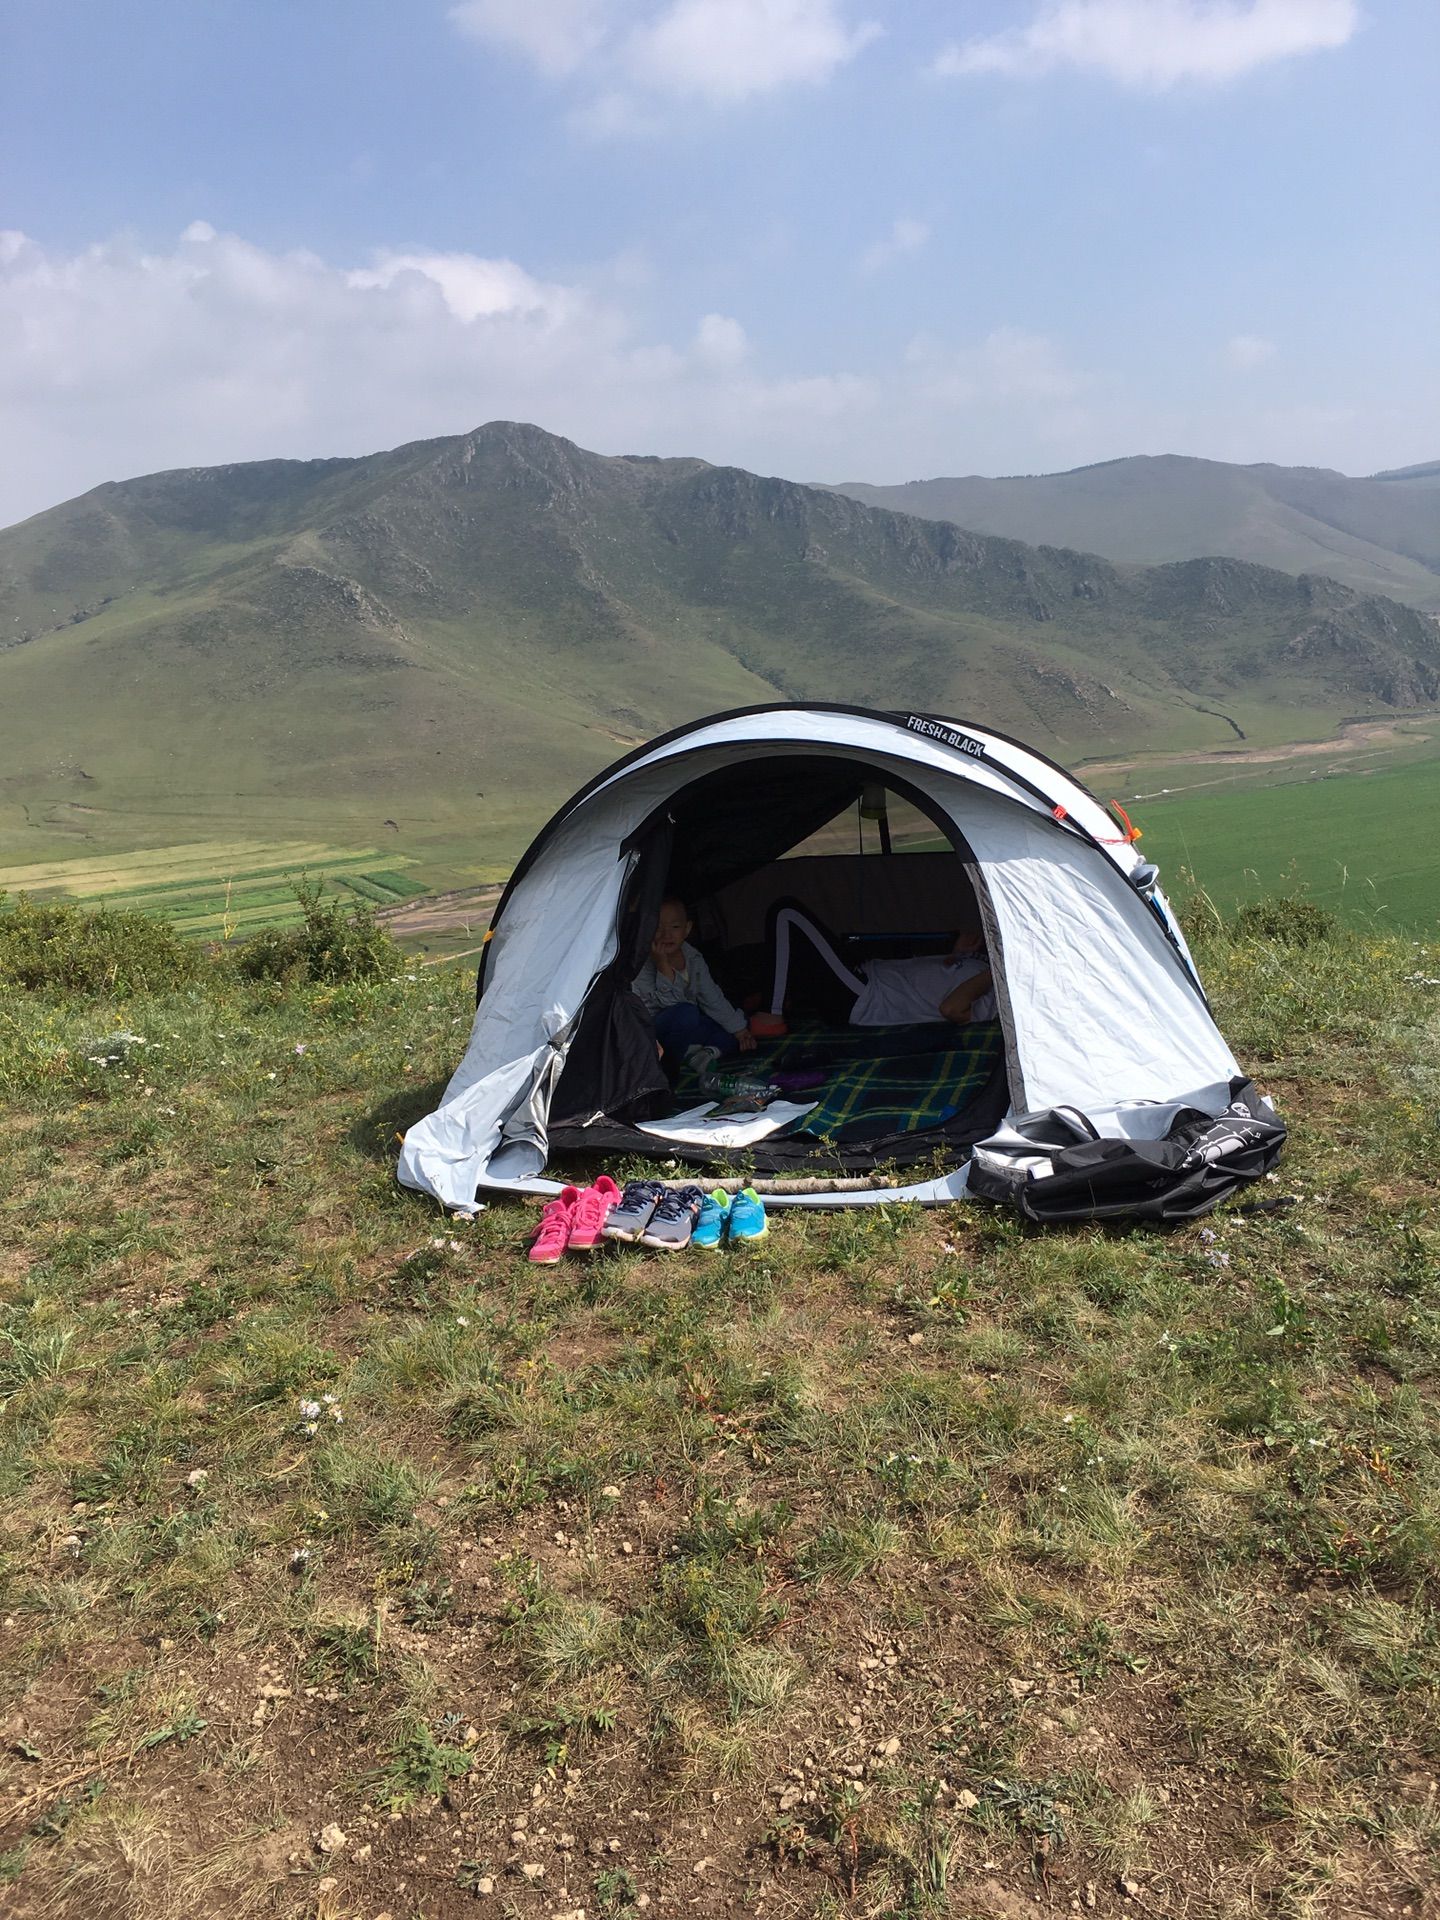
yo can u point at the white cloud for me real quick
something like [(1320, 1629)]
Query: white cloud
[(720, 342), (557, 36), (724, 51), (1246, 350), (721, 52), (1154, 44), (905, 236), (119, 360), (471, 288)]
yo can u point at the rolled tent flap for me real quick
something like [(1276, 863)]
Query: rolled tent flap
[(524, 1135)]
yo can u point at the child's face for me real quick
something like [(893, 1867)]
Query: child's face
[(672, 930)]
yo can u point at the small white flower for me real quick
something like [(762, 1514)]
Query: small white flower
[(1068, 1421), (300, 1557), (327, 1400), (309, 1409), (462, 1319), (337, 1416), (309, 1429), (299, 1046), (197, 1478)]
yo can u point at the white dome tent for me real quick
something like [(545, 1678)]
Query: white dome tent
[(1098, 1000)]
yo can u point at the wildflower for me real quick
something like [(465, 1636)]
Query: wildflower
[(196, 1478), (1207, 1233), (454, 1246), (309, 1409), (462, 1319), (299, 1046), (1068, 1421), (300, 1558)]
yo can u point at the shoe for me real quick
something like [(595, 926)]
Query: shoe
[(747, 1217), (552, 1236), (591, 1211), (673, 1221), (700, 1059), (631, 1213), (714, 1217)]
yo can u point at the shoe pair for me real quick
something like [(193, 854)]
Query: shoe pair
[(573, 1221), (736, 1218), (655, 1215)]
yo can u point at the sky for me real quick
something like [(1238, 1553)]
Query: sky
[(832, 239)]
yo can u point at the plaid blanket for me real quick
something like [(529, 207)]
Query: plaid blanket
[(879, 1079)]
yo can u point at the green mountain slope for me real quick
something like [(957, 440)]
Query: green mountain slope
[(1380, 535), (425, 649)]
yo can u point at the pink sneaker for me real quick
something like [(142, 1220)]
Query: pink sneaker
[(592, 1209), (552, 1236)]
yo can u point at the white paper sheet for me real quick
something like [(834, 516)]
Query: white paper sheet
[(702, 1127)]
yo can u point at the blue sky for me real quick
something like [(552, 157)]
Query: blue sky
[(825, 238)]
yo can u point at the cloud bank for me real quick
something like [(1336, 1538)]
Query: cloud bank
[(118, 359), (1155, 44)]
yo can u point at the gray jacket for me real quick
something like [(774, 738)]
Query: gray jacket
[(694, 983)]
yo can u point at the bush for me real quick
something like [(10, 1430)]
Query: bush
[(1287, 919), (331, 944), (55, 948)]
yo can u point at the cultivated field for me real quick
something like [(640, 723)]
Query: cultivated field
[(905, 1565), (215, 889)]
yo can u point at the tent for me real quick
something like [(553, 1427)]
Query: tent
[(1099, 1005)]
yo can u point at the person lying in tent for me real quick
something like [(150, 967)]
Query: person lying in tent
[(692, 1017), (957, 986)]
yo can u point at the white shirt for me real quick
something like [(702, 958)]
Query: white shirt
[(907, 993)]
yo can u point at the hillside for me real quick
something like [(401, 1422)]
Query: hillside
[(428, 648), (1379, 535)]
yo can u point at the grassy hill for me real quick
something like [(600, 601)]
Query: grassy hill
[(420, 652), (907, 1564), (1380, 535)]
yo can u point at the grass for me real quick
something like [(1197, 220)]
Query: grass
[(1358, 843), (909, 1564)]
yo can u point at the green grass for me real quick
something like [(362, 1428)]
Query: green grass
[(1360, 843), (907, 1556)]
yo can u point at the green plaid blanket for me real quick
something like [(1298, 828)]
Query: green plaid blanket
[(878, 1079)]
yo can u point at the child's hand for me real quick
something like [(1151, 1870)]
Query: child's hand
[(746, 1039)]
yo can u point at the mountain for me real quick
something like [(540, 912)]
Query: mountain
[(1380, 535), (429, 647)]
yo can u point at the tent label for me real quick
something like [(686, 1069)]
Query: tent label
[(947, 736)]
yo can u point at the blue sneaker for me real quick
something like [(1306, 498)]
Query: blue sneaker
[(710, 1227), (747, 1217)]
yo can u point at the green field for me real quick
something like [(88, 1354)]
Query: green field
[(219, 888), (1366, 844)]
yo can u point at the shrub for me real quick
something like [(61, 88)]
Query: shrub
[(56, 948), (1287, 919), (333, 943)]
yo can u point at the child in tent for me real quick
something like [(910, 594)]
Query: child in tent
[(693, 1019), (957, 986)]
